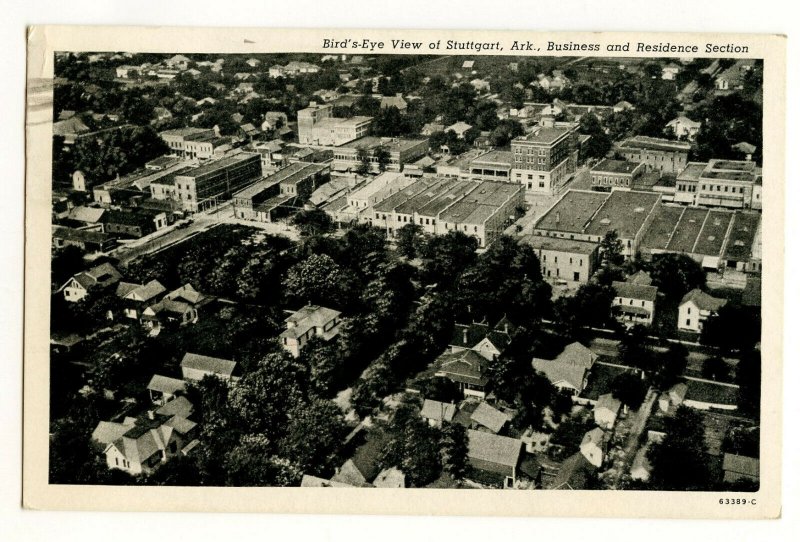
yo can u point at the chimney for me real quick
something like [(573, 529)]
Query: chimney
[(151, 415), (505, 327), (465, 335)]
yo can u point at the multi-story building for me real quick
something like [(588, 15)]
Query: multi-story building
[(204, 186), (695, 308), (565, 259), (485, 212), (545, 158), (297, 180), (615, 174), (655, 153), (310, 321), (719, 183), (634, 303), (316, 125), (177, 139), (492, 166), (401, 152)]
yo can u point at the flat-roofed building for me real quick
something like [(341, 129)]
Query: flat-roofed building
[(686, 184), (178, 139), (727, 183), (615, 174), (297, 180), (316, 125), (382, 213), (569, 216), (655, 153), (565, 259), (492, 166), (205, 186), (401, 152), (424, 208), (485, 212), (545, 158)]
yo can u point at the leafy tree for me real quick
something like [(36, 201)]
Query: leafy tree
[(670, 366), (599, 143), (178, 471), (318, 280), (382, 157), (368, 391), (390, 122), (634, 350), (413, 447), (408, 240), (318, 455), (676, 274), (715, 368), (680, 461), (444, 257), (313, 222), (364, 161), (505, 131), (250, 464), (629, 388), (590, 306), (733, 328), (364, 250), (439, 389), (611, 249), (454, 450), (325, 365), (65, 263)]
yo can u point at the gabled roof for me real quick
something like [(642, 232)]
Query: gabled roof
[(436, 410), (310, 316), (595, 436), (314, 481), (476, 332), (146, 292), (465, 367), (101, 275), (569, 367), (608, 402), (108, 432), (703, 301), (574, 473), (494, 448), (89, 215), (635, 291), (165, 384), (124, 288), (489, 417), (180, 424), (180, 406), (208, 364), (390, 478), (186, 293)]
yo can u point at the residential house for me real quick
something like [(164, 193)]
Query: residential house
[(487, 418), (576, 473), (97, 278), (274, 120), (488, 341), (394, 101), (466, 368), (436, 413), (136, 298), (163, 389), (606, 411), (177, 308), (195, 367), (695, 308), (669, 400), (593, 446), (684, 128), (621, 106), (569, 371), (310, 321), (431, 128), (87, 240), (738, 468), (459, 128), (670, 71), (634, 303), (392, 478), (494, 460)]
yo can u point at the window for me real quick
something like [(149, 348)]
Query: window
[(688, 321), (688, 310)]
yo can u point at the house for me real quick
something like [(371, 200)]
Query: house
[(314, 481), (684, 127), (310, 321), (622, 106), (274, 120), (249, 131), (695, 308), (593, 446), (140, 297), (163, 389), (739, 467), (606, 411), (195, 367), (570, 369), (459, 128), (436, 412), (87, 240), (87, 216), (178, 62), (431, 128), (634, 303), (487, 418), (394, 101), (177, 308), (575, 472), (493, 459), (81, 284), (565, 259), (672, 398), (390, 478), (670, 71), (487, 341), (466, 369)]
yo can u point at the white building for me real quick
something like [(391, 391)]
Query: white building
[(695, 308)]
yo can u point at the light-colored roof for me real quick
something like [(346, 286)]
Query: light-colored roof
[(310, 316), (180, 406), (108, 432), (86, 214), (703, 301), (180, 424), (208, 364), (147, 291), (314, 481), (390, 478), (494, 448), (165, 384), (608, 401), (124, 288), (635, 291), (595, 436), (570, 366), (436, 410), (489, 417), (740, 464)]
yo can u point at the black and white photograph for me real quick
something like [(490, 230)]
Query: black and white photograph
[(455, 270)]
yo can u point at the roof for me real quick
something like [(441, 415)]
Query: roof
[(740, 464), (573, 211), (310, 316), (569, 367), (180, 424), (208, 364), (617, 167), (436, 410), (715, 393), (86, 214), (494, 448), (683, 119), (180, 406), (624, 211), (641, 277), (543, 136), (608, 401), (314, 481), (186, 293), (147, 291), (635, 291), (459, 127), (124, 288), (108, 432), (572, 246), (595, 436), (291, 174), (165, 384), (703, 301), (490, 417), (574, 473), (655, 144), (215, 165), (476, 332), (84, 236), (390, 478), (465, 366)]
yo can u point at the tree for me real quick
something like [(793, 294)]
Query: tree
[(454, 450), (444, 257), (505, 131), (251, 464), (364, 161), (680, 460), (382, 157), (748, 377), (440, 389), (676, 274), (413, 447), (611, 249), (715, 368), (408, 240), (318, 280), (599, 143), (634, 350), (590, 306), (313, 222), (371, 388), (670, 366), (733, 328), (325, 365), (321, 454), (629, 388)]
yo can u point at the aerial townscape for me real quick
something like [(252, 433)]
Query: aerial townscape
[(403, 271)]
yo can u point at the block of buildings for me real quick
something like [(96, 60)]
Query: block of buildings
[(310, 321), (401, 152), (695, 308), (634, 303), (615, 174), (316, 125), (545, 158), (657, 154), (205, 186), (493, 165), (485, 212), (201, 143), (718, 183), (565, 259), (362, 199)]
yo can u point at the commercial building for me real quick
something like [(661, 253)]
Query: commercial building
[(615, 174), (485, 212), (545, 158), (719, 183), (656, 154), (316, 125), (204, 186), (193, 142), (492, 166), (400, 151), (565, 259)]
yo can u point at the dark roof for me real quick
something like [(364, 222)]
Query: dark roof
[(572, 246), (615, 166), (703, 301), (465, 367), (635, 291), (208, 364), (574, 473)]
